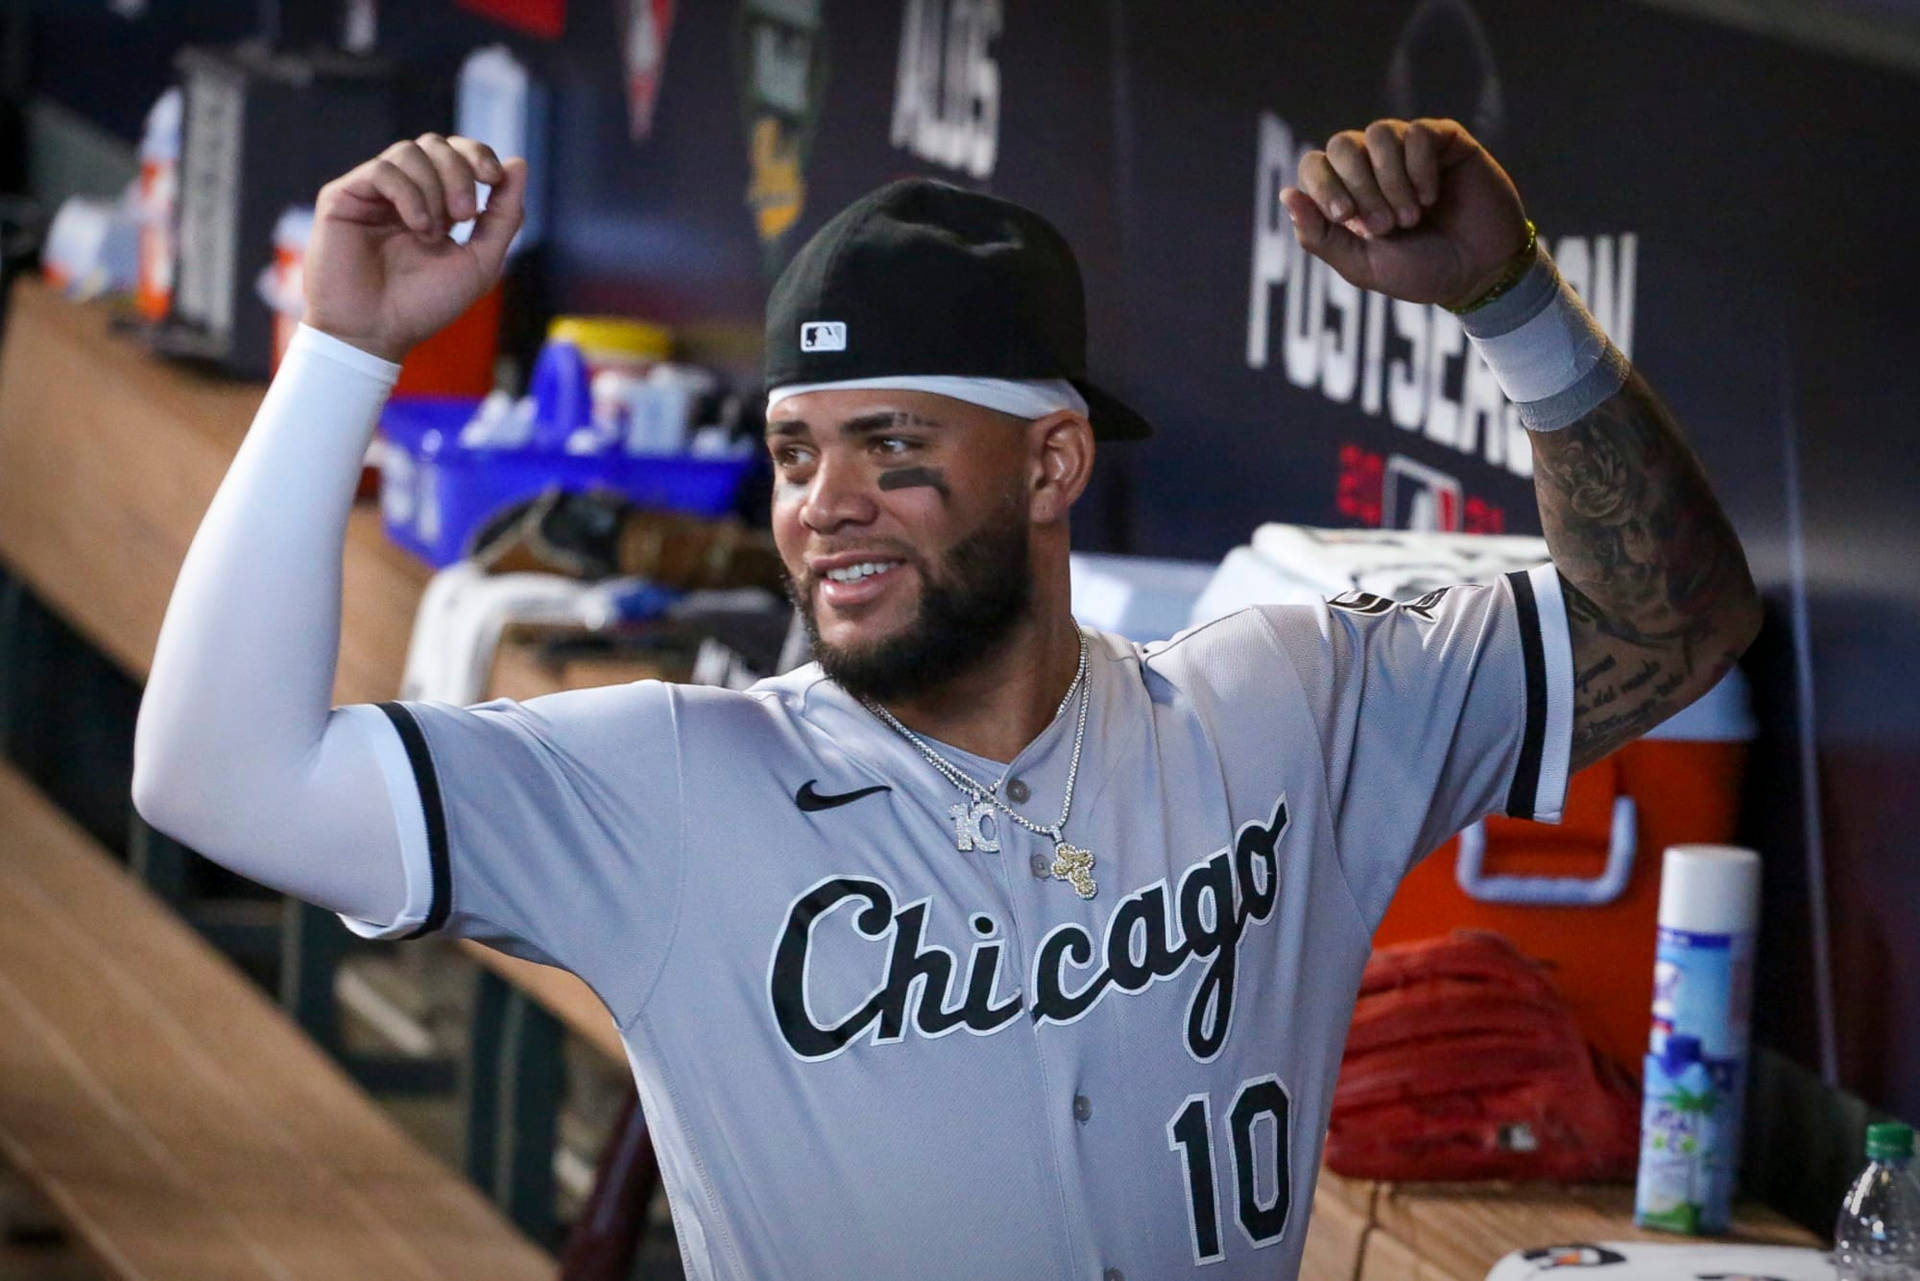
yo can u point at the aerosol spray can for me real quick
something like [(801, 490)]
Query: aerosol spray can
[(1696, 1065)]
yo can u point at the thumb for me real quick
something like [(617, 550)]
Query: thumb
[(493, 230), (1324, 238)]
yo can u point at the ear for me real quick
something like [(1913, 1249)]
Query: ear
[(1060, 452)]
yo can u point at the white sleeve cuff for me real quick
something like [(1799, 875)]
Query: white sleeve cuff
[(309, 341), (383, 742), (1539, 789)]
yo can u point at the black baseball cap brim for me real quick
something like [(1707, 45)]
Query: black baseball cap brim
[(925, 278), (1112, 418)]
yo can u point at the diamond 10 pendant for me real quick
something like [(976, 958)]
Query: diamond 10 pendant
[(975, 827), (1074, 866)]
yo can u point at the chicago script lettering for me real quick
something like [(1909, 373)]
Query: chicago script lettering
[(1150, 936), (908, 962), (1218, 898)]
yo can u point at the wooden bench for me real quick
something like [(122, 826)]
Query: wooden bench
[(1455, 1232), (175, 1118)]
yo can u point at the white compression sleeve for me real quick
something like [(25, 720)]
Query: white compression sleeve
[(238, 752)]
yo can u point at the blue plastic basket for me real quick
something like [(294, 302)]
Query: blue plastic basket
[(434, 494)]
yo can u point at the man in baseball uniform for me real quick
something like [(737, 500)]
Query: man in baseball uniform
[(985, 946)]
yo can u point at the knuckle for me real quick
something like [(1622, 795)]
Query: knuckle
[(1381, 131), (430, 139), (1345, 145)]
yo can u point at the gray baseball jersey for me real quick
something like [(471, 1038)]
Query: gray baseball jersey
[(866, 1051)]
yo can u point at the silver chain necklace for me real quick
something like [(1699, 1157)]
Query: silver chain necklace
[(1070, 863)]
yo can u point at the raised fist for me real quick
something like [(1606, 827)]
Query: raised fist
[(381, 271), (1415, 209)]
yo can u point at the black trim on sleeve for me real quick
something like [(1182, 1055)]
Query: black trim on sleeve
[(422, 762), (1523, 798)]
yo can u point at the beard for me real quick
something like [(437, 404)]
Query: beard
[(967, 611)]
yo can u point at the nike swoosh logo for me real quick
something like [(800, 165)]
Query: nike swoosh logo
[(809, 800)]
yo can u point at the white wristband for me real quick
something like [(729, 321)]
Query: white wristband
[(1545, 349)]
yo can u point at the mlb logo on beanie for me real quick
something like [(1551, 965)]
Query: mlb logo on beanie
[(823, 335)]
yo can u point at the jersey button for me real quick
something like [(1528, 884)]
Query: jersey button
[(1018, 792), (1041, 866), (1082, 1108), (1113, 1274)]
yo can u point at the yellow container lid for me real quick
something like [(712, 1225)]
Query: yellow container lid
[(613, 335)]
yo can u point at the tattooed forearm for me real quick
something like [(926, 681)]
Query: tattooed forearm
[(1659, 601), (1611, 708), (1648, 670), (1594, 673)]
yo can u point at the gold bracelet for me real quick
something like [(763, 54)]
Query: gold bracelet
[(1517, 267)]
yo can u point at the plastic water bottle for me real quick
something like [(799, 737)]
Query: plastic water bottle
[(1878, 1235)]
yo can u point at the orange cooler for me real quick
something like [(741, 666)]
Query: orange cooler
[(1582, 896)]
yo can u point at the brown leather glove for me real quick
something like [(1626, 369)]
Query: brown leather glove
[(599, 534), (1464, 1062)]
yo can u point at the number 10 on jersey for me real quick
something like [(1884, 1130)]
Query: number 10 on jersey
[(1257, 1133)]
